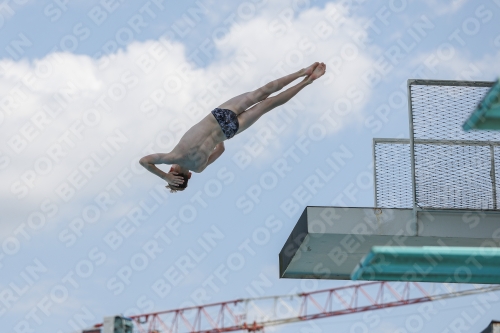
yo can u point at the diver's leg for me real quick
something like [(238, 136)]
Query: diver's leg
[(242, 102), (250, 116)]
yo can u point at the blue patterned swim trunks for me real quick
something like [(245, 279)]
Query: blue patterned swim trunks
[(228, 121)]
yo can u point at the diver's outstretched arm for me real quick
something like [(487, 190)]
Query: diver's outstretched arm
[(149, 163)]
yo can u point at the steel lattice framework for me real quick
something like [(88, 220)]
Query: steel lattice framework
[(255, 314)]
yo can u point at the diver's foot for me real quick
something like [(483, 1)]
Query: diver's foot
[(316, 74), (308, 70)]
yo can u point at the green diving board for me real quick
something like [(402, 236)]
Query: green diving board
[(430, 264), (487, 114)]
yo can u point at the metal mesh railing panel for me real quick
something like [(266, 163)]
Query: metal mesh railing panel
[(450, 175), (497, 174), (453, 176), (439, 111), (452, 167), (393, 188)]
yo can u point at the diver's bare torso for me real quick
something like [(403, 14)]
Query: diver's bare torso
[(198, 143)]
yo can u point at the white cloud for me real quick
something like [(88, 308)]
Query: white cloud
[(122, 95)]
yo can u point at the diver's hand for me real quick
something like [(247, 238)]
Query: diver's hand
[(173, 179)]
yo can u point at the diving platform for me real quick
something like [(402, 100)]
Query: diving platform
[(332, 242), (436, 215)]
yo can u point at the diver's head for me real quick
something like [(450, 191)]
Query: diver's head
[(180, 172)]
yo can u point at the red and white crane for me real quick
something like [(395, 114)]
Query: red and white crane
[(254, 314)]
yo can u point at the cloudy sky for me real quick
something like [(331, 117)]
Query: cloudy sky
[(89, 87)]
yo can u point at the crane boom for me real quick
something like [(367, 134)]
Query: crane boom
[(254, 314)]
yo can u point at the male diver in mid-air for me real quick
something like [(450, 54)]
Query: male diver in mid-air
[(203, 143)]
